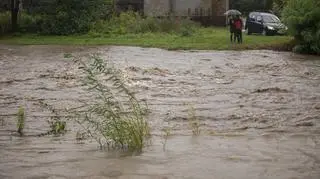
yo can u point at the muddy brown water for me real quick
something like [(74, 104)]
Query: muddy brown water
[(259, 113)]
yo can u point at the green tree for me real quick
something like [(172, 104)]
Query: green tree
[(63, 17), (303, 20), (278, 6), (58, 17), (246, 6)]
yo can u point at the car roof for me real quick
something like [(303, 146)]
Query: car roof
[(261, 13)]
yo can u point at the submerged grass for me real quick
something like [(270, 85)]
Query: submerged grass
[(167, 132), (202, 39), (20, 120), (114, 117), (193, 121), (57, 124)]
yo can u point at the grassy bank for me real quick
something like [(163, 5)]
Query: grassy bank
[(202, 39)]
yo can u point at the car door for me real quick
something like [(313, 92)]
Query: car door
[(258, 25), (249, 22)]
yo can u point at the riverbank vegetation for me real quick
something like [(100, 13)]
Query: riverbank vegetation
[(94, 22)]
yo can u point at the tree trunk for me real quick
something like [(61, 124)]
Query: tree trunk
[(14, 15)]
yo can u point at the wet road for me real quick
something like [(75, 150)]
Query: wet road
[(259, 113)]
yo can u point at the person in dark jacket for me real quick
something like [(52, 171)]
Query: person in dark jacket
[(232, 29)]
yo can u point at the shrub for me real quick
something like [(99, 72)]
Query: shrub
[(132, 22), (278, 5), (71, 16), (184, 27), (29, 23), (303, 20)]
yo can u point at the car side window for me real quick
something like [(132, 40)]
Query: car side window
[(252, 17), (259, 18)]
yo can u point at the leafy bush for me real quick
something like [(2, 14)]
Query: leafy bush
[(184, 27), (27, 22), (278, 6), (303, 20), (71, 16), (132, 22)]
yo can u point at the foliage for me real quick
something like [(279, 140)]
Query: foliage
[(29, 23), (20, 120), (57, 17), (165, 136), (278, 6), (246, 6), (57, 125), (132, 22), (5, 22), (114, 117), (303, 20), (67, 55), (72, 16)]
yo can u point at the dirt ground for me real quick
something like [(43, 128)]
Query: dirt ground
[(259, 113)]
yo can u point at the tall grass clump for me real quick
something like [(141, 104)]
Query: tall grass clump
[(114, 117), (20, 120)]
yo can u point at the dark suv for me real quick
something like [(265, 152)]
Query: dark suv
[(265, 24)]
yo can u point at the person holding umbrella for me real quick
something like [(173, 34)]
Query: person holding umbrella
[(232, 29), (234, 17)]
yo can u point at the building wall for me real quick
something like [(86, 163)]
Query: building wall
[(156, 7), (183, 7)]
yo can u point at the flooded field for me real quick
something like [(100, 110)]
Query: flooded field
[(259, 113)]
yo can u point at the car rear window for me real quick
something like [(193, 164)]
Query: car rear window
[(270, 18)]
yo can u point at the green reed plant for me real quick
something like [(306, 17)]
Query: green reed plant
[(114, 117)]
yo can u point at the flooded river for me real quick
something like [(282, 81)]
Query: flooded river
[(259, 113)]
